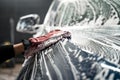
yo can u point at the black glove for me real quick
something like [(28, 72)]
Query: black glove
[(26, 44)]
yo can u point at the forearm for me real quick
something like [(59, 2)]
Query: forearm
[(10, 51), (6, 52)]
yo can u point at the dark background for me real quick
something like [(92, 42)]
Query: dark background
[(12, 10)]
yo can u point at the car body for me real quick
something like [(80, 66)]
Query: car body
[(93, 52)]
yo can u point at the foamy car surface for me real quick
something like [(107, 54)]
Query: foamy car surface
[(93, 52)]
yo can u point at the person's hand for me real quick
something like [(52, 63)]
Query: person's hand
[(43, 42)]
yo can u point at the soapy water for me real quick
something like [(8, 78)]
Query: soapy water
[(88, 12), (66, 61), (94, 51)]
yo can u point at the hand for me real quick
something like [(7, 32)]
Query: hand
[(43, 42)]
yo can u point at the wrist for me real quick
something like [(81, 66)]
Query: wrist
[(18, 48), (26, 44)]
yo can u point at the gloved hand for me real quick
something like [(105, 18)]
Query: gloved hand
[(34, 45)]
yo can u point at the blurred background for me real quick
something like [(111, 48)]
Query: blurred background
[(10, 12)]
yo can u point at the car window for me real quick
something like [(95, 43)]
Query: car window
[(68, 15), (59, 15), (89, 12)]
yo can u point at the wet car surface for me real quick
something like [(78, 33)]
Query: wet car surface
[(93, 53)]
